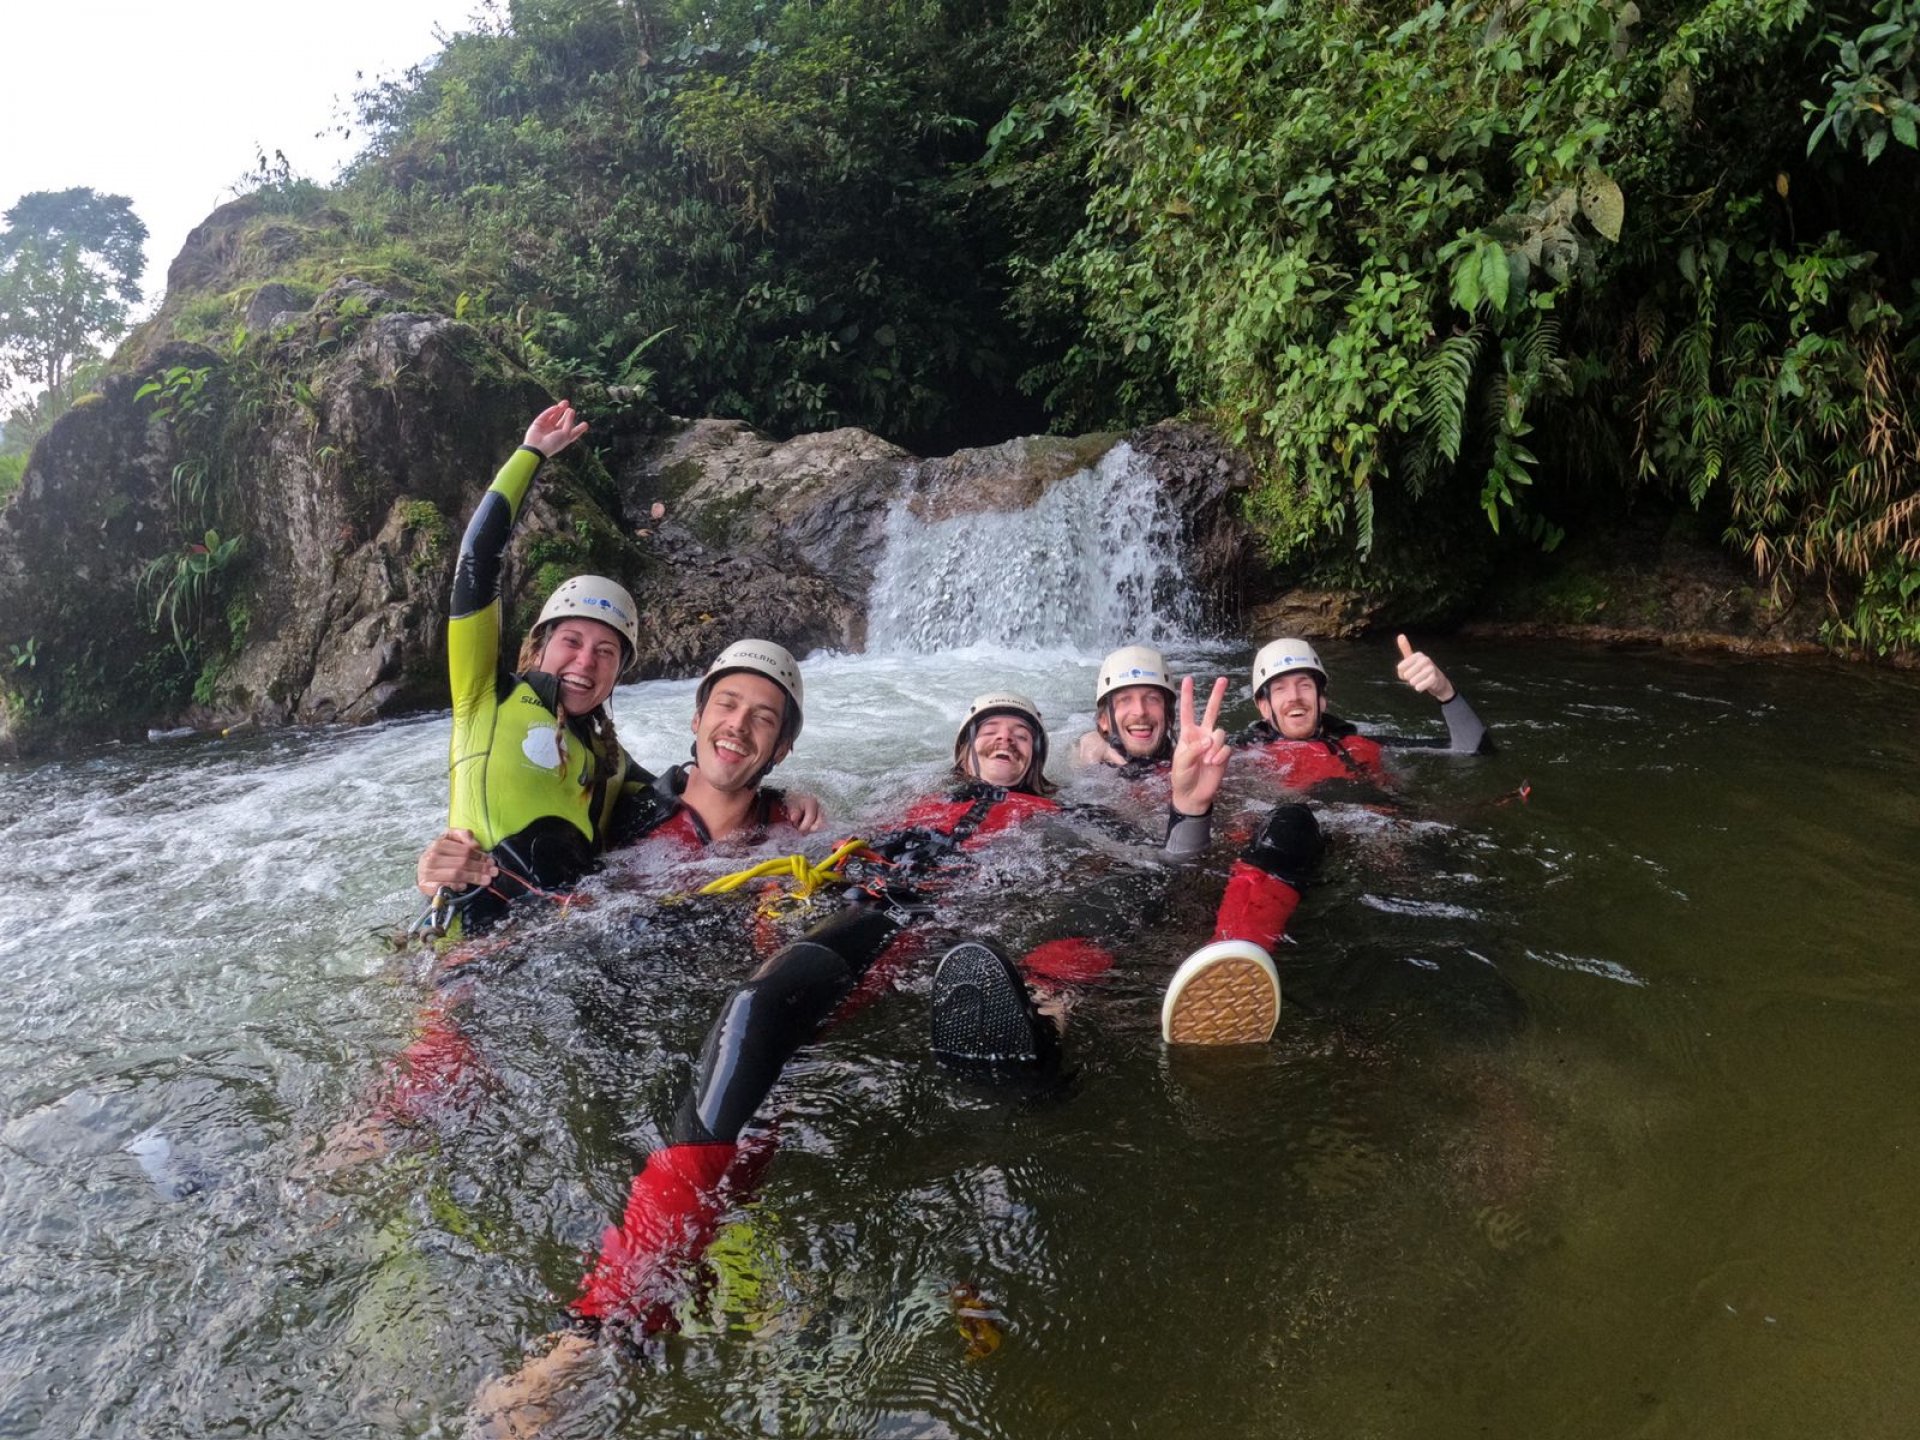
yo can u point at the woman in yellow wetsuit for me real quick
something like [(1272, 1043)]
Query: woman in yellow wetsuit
[(535, 768)]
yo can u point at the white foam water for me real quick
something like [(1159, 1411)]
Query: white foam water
[(1094, 563)]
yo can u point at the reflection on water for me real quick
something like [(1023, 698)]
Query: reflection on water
[(1588, 1114)]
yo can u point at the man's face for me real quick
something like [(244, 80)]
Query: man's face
[(1001, 751), (1136, 717), (1293, 704), (737, 732), (585, 657)]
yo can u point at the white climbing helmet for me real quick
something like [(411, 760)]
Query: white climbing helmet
[(594, 597), (1133, 665), (1283, 657), (762, 657)]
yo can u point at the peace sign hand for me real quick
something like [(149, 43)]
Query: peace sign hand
[(1200, 755)]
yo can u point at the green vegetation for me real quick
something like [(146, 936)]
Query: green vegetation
[(1443, 271), (750, 209), (70, 263), (210, 412), (183, 584), (1524, 258), (1463, 279), (422, 519)]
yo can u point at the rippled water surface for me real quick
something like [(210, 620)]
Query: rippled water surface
[(1590, 1113)]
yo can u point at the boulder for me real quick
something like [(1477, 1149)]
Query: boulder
[(76, 541), (816, 502), (1314, 614), (700, 598), (271, 307), (1009, 476)]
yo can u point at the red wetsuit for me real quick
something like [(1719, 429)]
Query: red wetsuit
[(1303, 764), (976, 813)]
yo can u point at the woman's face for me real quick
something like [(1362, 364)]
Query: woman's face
[(585, 656)]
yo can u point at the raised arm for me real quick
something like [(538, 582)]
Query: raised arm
[(1466, 734), (475, 620), (476, 573)]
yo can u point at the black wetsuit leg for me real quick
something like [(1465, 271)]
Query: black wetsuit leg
[(785, 1004)]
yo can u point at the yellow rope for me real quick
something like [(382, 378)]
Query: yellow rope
[(807, 878)]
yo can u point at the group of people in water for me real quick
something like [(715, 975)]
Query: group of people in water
[(541, 788)]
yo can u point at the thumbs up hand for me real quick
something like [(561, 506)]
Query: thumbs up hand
[(1421, 673)]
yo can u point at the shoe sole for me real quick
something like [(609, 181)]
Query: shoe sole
[(981, 1013), (1227, 993)]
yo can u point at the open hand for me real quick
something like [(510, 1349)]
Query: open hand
[(1201, 753), (1421, 673), (554, 429)]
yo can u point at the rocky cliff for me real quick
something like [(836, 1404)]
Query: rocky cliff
[(264, 532)]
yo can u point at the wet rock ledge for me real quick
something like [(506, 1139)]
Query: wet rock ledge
[(265, 534)]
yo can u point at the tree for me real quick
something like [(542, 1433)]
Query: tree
[(70, 263)]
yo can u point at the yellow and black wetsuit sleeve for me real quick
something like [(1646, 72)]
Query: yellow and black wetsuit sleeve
[(476, 573), (475, 675), (626, 803)]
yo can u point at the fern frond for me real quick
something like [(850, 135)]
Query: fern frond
[(1446, 380)]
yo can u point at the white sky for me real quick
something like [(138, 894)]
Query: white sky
[(166, 104)]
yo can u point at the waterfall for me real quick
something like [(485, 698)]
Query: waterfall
[(1094, 563)]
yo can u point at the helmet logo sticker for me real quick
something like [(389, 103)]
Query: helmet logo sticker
[(597, 602)]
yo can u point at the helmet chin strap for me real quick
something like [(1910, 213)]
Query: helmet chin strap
[(1111, 734), (1271, 714)]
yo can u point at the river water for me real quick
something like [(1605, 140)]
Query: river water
[(1590, 1113)]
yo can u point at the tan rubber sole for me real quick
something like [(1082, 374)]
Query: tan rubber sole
[(1232, 1000)]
